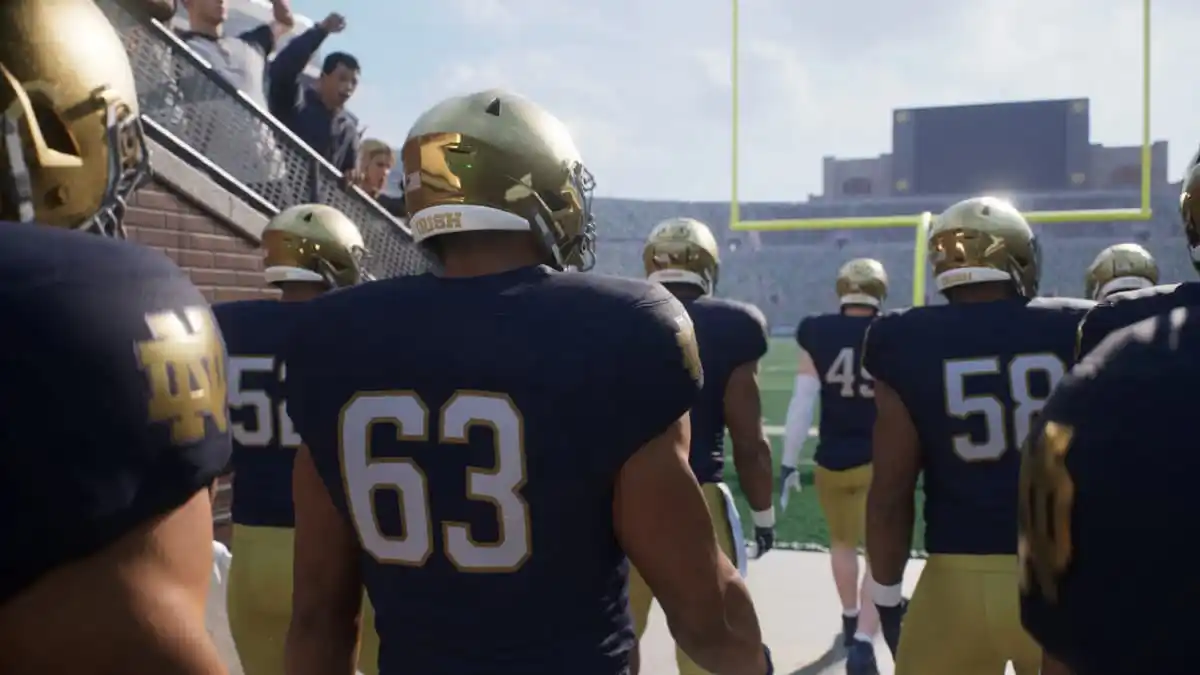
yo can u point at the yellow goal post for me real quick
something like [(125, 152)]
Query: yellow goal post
[(920, 222)]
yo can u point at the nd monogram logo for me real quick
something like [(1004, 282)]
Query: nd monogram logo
[(185, 365)]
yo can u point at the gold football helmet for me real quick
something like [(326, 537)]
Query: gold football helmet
[(984, 239), (73, 149), (682, 251), (495, 161), (1189, 209), (313, 243), (1121, 267), (862, 281)]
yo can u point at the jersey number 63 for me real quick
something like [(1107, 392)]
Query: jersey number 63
[(498, 485)]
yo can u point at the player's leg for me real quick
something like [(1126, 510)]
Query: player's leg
[(640, 599), (1002, 599), (946, 630), (845, 504), (260, 596), (844, 531), (858, 482), (368, 650), (729, 538)]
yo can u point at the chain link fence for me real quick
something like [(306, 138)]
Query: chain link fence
[(179, 92)]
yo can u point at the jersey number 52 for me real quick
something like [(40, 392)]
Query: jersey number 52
[(272, 426), (498, 485)]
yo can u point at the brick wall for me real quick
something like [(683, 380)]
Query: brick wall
[(223, 263)]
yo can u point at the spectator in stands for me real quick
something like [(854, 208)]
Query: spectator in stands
[(241, 59), (163, 10), (375, 160), (317, 114)]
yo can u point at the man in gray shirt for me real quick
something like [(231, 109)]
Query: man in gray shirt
[(241, 59), (216, 124)]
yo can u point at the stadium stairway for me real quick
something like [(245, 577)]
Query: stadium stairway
[(198, 117)]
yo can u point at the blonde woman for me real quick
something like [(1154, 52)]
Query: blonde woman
[(375, 160)]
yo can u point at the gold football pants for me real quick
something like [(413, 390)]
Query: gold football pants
[(965, 619), (260, 602), (843, 498), (640, 595)]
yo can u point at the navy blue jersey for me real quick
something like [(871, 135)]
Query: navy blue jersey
[(730, 334), (834, 341), (973, 377), (498, 410), (1129, 307), (264, 442), (112, 387), (1114, 456)]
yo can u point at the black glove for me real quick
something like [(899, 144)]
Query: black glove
[(764, 537), (890, 619)]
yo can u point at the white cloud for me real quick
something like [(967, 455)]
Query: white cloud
[(645, 85)]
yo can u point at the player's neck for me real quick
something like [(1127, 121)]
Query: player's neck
[(300, 292), (203, 27), (969, 296), (859, 310), (684, 292), (493, 255)]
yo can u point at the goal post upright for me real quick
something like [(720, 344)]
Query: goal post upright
[(920, 221)]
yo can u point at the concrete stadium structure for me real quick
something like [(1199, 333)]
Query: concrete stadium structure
[(1042, 148)]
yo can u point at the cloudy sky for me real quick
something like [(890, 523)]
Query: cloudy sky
[(645, 84)]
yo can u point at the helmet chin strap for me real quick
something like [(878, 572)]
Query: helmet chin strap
[(19, 188), (546, 235)]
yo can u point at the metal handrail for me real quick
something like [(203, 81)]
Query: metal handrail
[(181, 49)]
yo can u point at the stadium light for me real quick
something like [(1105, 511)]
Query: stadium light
[(920, 222)]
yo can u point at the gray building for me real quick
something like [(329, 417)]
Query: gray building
[(1027, 134)]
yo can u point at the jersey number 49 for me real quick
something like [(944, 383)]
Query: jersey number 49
[(842, 373)]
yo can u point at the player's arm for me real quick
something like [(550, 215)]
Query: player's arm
[(751, 450), (135, 607), (896, 455), (323, 636), (800, 409), (662, 522)]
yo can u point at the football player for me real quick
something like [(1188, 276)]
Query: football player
[(1129, 307), (682, 254), (1099, 608), (831, 367), (114, 418), (484, 447), (309, 249), (957, 388), (1120, 267)]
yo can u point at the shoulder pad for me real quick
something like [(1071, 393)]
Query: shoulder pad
[(806, 330), (1070, 304), (1158, 333), (751, 310), (1125, 296), (1128, 307), (877, 343)]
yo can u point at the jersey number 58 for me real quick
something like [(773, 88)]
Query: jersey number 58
[(498, 485), (1000, 413)]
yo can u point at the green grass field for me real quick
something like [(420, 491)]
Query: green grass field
[(803, 525)]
